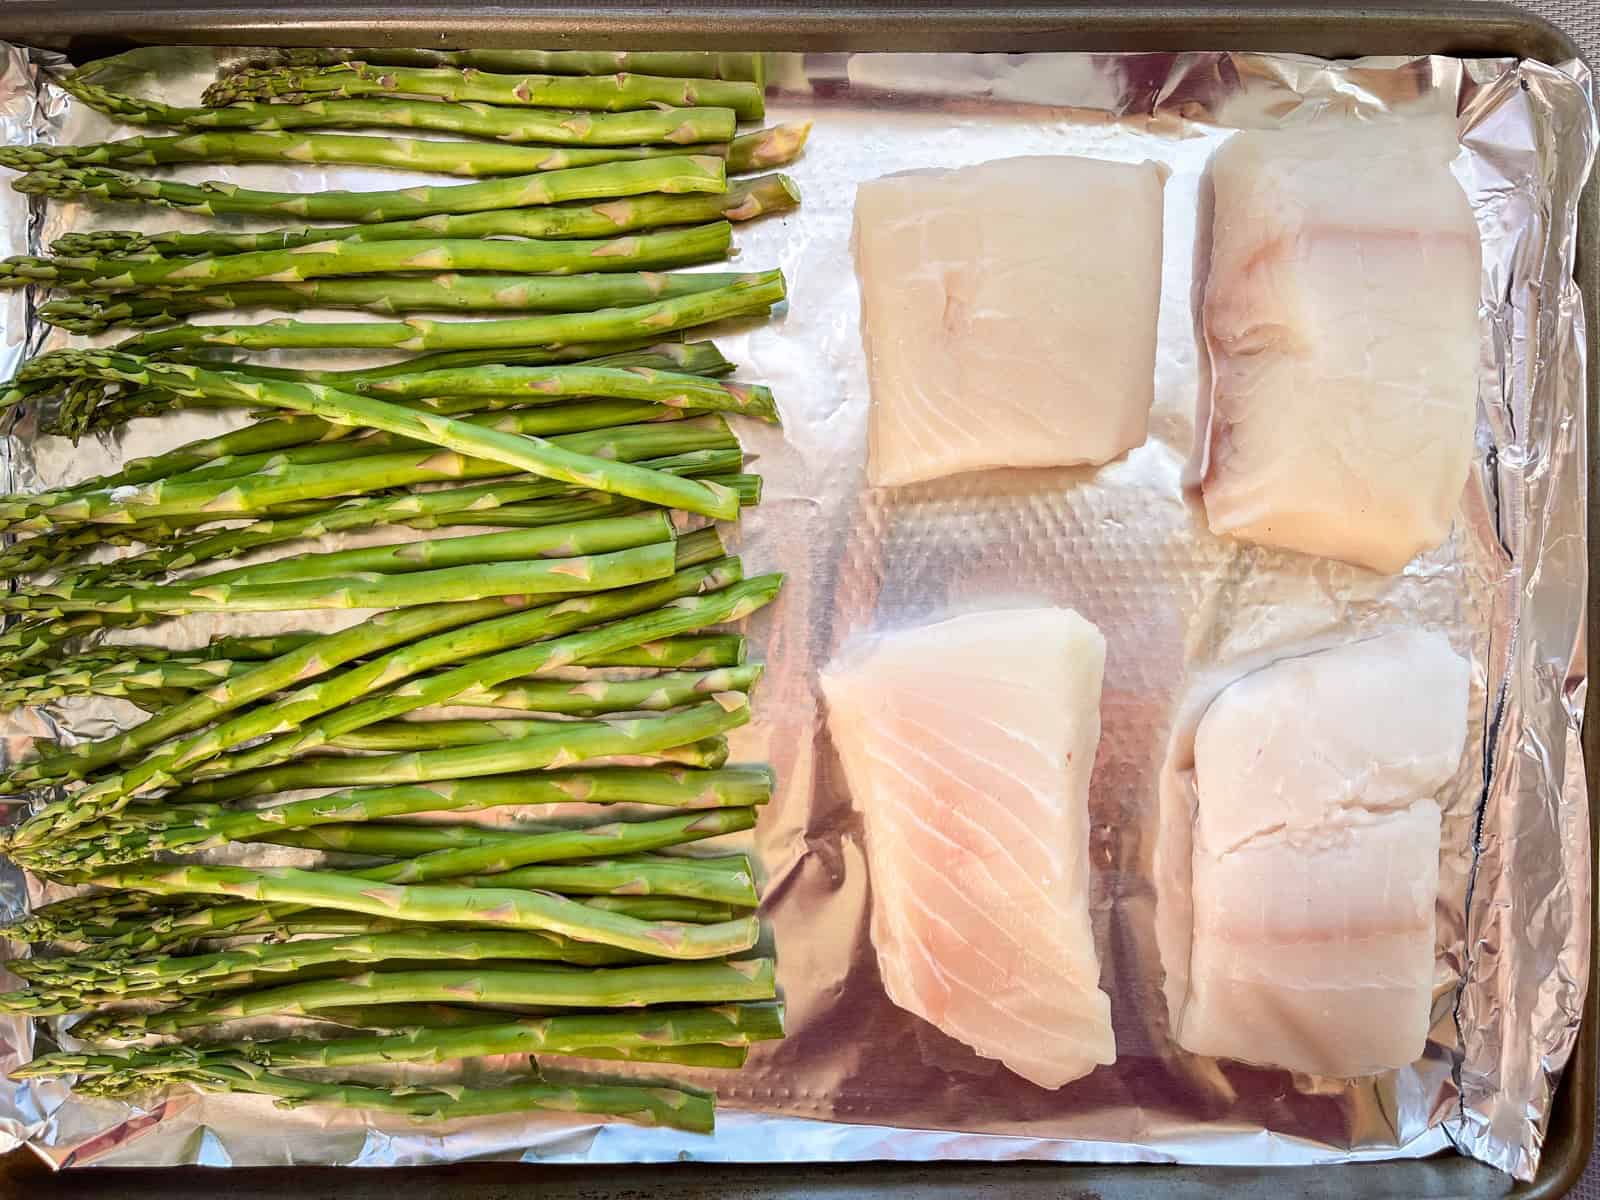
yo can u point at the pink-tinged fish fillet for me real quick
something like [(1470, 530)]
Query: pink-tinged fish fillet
[(1341, 319), (1009, 313), (968, 746), (1316, 856)]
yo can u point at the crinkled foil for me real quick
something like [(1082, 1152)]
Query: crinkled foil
[(1126, 545)]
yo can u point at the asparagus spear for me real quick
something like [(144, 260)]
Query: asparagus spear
[(128, 977), (700, 64), (661, 378), (133, 835), (460, 686), (291, 712), (502, 908), (556, 743), (480, 632), (592, 697), (92, 982), (750, 294), (395, 736), (476, 581), (452, 852), (476, 159), (699, 651), (760, 150), (547, 459), (439, 388), (612, 93), (727, 1024), (659, 447), (418, 510), (743, 201), (668, 126), (301, 665), (674, 174), (564, 987), (631, 252), (440, 293), (651, 1105), (549, 541)]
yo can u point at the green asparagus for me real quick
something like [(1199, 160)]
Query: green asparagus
[(630, 252), (612, 93), (674, 174), (439, 293), (743, 201)]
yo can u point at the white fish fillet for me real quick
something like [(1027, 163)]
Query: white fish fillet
[(1316, 856), (1009, 311), (1341, 319), (968, 746)]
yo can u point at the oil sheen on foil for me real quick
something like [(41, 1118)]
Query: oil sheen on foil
[(1125, 545)]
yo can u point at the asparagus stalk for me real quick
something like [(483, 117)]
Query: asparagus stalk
[(594, 697), (502, 908), (630, 252), (439, 293), (702, 651), (546, 421), (94, 982), (562, 541), (396, 736), (698, 64), (480, 633), (693, 449), (674, 174), (629, 877), (460, 686), (476, 581), (760, 150), (442, 389), (725, 1024), (556, 743), (520, 988), (666, 126), (750, 294), (612, 93), (129, 835), (416, 509), (651, 1105), (453, 852), (474, 159), (562, 987), (743, 201), (292, 712), (544, 458), (298, 666)]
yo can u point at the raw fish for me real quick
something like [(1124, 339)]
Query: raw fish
[(968, 746), (1009, 312), (1316, 856), (1341, 317)]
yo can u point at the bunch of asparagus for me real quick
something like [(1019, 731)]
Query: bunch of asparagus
[(546, 601)]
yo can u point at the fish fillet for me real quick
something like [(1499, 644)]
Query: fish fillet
[(968, 746), (1316, 856), (1340, 315), (1009, 312)]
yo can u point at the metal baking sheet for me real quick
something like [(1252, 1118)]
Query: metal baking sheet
[(886, 569)]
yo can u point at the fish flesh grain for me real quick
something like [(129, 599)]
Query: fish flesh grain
[(968, 746), (1009, 313), (1341, 319), (1316, 856)]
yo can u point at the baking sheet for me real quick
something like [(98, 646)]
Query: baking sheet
[(1126, 545)]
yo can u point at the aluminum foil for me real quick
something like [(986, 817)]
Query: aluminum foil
[(1184, 613)]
